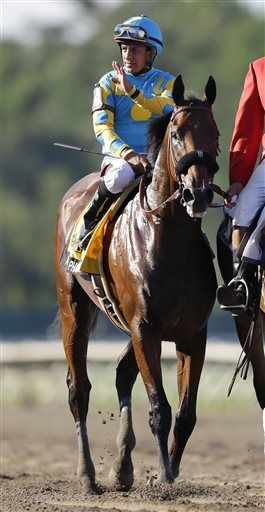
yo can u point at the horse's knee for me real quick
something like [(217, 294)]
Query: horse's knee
[(184, 424), (160, 418), (124, 382), (78, 397), (126, 374)]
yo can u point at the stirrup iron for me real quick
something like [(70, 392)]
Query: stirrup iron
[(237, 308)]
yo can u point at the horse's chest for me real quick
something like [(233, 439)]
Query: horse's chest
[(175, 304), (175, 319)]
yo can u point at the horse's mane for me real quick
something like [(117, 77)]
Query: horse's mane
[(156, 133), (157, 129)]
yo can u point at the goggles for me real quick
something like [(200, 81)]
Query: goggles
[(130, 31)]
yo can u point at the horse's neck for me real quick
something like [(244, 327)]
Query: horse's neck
[(159, 188), (175, 219), (162, 187)]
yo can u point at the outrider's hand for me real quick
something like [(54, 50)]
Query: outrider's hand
[(234, 190), (122, 81), (138, 162)]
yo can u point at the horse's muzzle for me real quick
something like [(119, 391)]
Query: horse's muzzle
[(196, 200)]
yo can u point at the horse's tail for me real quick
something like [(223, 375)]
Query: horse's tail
[(54, 330)]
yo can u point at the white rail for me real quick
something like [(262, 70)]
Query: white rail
[(30, 352)]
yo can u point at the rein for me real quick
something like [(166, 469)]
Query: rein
[(182, 166), (142, 197), (221, 193)]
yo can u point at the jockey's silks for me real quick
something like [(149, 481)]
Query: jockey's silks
[(120, 120)]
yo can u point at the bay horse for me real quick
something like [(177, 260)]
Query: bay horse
[(162, 274)]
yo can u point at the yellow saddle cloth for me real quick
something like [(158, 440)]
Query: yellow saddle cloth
[(87, 260)]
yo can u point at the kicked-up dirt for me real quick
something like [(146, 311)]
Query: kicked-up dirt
[(222, 467)]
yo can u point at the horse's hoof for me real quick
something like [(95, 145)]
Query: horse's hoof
[(88, 486), (121, 482), (175, 474), (160, 480), (175, 471), (151, 481)]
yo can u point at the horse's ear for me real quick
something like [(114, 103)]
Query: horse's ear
[(178, 91), (210, 91)]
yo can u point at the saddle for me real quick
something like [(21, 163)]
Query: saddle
[(88, 263)]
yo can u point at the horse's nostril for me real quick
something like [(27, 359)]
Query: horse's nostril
[(187, 195), (208, 195)]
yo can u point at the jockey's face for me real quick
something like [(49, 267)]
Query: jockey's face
[(135, 57)]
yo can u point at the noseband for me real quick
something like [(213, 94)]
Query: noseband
[(198, 157)]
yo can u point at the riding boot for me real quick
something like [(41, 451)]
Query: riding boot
[(94, 212), (240, 293)]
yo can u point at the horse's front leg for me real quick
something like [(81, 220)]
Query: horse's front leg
[(121, 473), (147, 349), (78, 314), (189, 372)]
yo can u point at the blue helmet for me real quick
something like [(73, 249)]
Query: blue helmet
[(141, 29)]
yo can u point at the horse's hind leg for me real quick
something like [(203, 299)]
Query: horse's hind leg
[(78, 315), (189, 372), (121, 473), (257, 357)]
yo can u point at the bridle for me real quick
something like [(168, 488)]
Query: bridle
[(182, 165), (199, 156)]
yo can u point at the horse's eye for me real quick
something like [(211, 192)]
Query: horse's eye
[(176, 135)]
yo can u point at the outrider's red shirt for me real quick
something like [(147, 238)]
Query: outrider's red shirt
[(248, 133)]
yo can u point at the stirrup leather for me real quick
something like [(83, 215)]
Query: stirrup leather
[(83, 241)]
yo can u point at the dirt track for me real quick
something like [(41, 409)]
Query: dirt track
[(222, 469)]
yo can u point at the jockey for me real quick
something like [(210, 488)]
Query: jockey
[(248, 183), (126, 99)]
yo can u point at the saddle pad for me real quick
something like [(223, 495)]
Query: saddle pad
[(88, 259)]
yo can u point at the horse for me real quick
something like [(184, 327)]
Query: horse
[(161, 272), (250, 326)]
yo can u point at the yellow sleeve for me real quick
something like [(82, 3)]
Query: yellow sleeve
[(160, 101), (103, 122)]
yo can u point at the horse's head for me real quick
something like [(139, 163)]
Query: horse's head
[(193, 146)]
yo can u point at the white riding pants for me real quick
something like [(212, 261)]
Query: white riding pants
[(252, 251), (119, 174), (251, 199), (249, 202)]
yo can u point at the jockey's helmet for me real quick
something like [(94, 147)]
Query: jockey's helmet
[(140, 29)]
